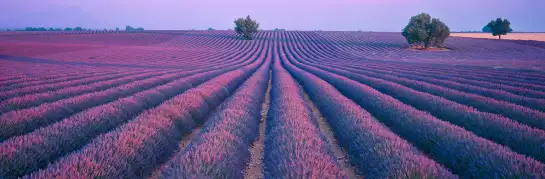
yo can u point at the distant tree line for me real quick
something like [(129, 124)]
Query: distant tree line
[(42, 29), (55, 29), (128, 28)]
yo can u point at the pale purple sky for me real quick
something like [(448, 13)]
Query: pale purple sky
[(373, 15)]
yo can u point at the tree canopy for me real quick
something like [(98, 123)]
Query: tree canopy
[(246, 27), (423, 29), (499, 27)]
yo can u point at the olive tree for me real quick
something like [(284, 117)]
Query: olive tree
[(246, 27), (425, 30), (499, 27)]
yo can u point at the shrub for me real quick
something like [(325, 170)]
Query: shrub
[(78, 29), (211, 28), (246, 27), (499, 27), (68, 29), (422, 29), (140, 29)]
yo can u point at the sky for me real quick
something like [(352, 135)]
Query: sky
[(341, 15)]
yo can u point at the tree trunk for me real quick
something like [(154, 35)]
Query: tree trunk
[(499, 36), (426, 44)]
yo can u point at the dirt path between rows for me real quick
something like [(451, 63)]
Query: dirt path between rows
[(254, 170), (338, 152)]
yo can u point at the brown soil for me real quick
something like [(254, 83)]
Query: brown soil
[(431, 49)]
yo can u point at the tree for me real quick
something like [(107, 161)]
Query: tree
[(140, 29), (499, 27), (439, 32), (211, 28), (78, 29), (423, 29), (129, 28), (487, 29), (246, 27), (68, 29)]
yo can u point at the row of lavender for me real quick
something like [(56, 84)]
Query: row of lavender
[(524, 139), (19, 121), (50, 106), (59, 128), (161, 56), (24, 154), (500, 99), (463, 51), (526, 110), (450, 145), (23, 97), (393, 124), (372, 147), (221, 148), (138, 146)]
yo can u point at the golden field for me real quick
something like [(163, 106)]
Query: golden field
[(510, 36)]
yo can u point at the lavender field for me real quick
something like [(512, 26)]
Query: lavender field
[(289, 104)]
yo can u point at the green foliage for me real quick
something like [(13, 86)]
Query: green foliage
[(68, 29), (211, 28), (246, 27), (78, 29), (487, 29), (36, 29), (423, 29), (500, 27), (129, 28)]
